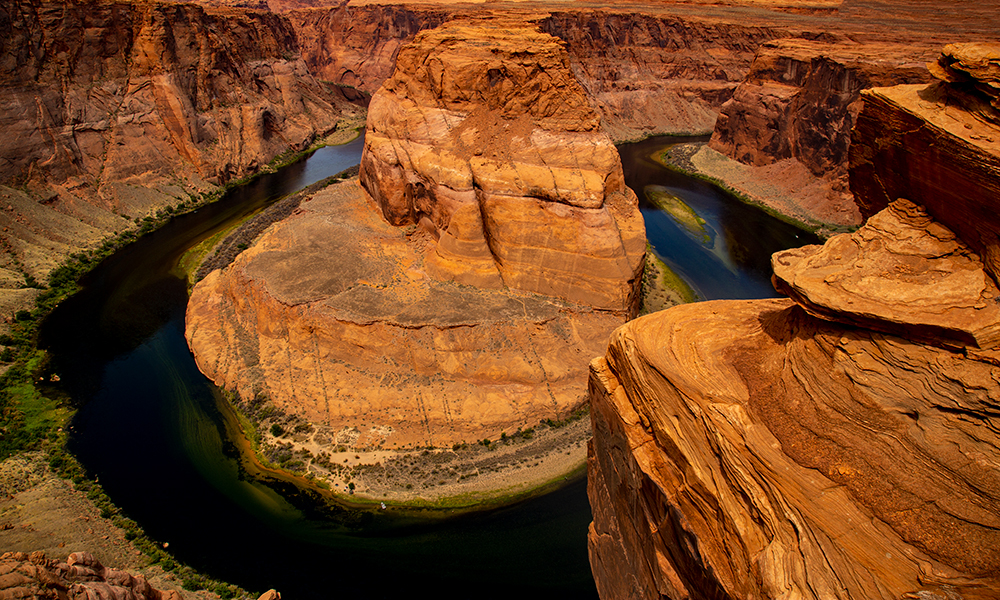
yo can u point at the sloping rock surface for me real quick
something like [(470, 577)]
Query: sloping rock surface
[(331, 315), (111, 111), (838, 444), (495, 150)]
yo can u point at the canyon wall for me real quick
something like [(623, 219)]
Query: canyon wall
[(798, 104), (648, 73), (837, 444), (113, 110), (458, 291)]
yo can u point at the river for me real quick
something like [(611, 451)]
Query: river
[(156, 433)]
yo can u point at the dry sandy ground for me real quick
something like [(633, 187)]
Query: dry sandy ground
[(786, 188)]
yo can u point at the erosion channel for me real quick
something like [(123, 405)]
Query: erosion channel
[(166, 448)]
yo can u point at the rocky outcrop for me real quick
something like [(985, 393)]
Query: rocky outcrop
[(498, 154), (647, 73), (838, 444), (464, 296), (919, 142), (81, 577), (111, 111), (799, 103)]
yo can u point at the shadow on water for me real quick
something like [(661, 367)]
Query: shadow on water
[(161, 441)]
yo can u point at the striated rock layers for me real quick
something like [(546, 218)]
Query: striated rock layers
[(647, 72), (497, 152), (464, 297), (112, 110), (81, 576), (923, 141), (838, 444), (798, 105)]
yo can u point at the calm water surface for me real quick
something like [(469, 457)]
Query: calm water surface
[(151, 428)]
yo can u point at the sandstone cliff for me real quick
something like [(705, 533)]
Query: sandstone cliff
[(112, 110), (838, 444), (500, 157), (649, 72), (465, 295)]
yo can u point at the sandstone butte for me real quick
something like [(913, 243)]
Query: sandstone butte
[(841, 443), (461, 288)]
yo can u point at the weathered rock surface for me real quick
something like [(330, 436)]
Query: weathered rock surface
[(746, 449), (911, 142), (81, 576), (111, 111), (901, 273), (332, 316), (463, 297), (654, 71), (839, 444), (495, 150)]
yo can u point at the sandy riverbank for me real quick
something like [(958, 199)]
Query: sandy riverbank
[(785, 189)]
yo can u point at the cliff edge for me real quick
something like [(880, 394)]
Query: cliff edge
[(837, 444)]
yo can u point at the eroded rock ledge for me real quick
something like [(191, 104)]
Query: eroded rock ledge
[(838, 444)]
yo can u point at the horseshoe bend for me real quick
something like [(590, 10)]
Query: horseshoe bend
[(457, 320)]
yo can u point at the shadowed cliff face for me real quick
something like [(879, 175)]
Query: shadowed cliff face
[(840, 443), (112, 110)]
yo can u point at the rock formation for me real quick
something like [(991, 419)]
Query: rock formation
[(501, 158), (921, 141), (798, 105), (112, 111), (81, 577), (838, 444), (464, 297)]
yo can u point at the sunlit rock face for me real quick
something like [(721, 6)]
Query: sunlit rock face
[(495, 150), (463, 290), (840, 443)]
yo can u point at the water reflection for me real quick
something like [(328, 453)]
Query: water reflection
[(719, 245)]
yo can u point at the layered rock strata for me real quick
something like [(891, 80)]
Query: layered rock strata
[(496, 151), (465, 295), (749, 449), (798, 105), (332, 317), (112, 111), (647, 72), (920, 141)]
